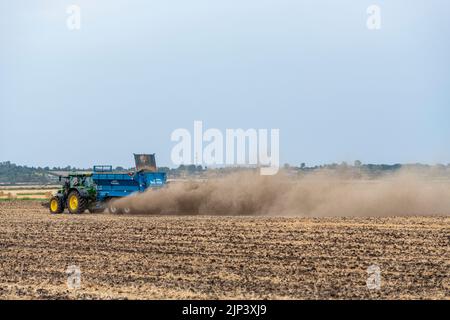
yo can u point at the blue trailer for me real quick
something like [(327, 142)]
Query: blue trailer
[(112, 185), (96, 191)]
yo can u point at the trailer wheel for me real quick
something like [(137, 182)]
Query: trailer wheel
[(56, 205), (114, 209), (76, 203), (126, 210)]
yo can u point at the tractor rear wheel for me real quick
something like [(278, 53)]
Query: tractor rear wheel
[(56, 205), (76, 203)]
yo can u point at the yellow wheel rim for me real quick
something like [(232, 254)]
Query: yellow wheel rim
[(73, 203), (54, 205)]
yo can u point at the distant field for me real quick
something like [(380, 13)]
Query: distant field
[(27, 192)]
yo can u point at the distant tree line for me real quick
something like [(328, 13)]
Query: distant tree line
[(11, 173)]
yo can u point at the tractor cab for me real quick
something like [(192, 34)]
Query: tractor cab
[(75, 180)]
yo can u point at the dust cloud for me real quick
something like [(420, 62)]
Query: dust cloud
[(315, 194)]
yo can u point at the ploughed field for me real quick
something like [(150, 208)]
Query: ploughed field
[(172, 257)]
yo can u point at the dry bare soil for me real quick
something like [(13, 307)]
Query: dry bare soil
[(155, 257)]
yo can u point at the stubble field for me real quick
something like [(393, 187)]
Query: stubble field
[(208, 257)]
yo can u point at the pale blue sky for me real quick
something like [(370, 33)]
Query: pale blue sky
[(137, 70)]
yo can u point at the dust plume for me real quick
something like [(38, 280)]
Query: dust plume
[(315, 194)]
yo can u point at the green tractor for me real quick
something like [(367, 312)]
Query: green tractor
[(78, 192)]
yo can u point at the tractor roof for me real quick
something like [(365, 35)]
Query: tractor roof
[(80, 174)]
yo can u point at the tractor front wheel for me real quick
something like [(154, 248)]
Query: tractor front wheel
[(76, 203), (56, 205)]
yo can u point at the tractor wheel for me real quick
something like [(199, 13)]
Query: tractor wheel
[(56, 205), (76, 203)]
